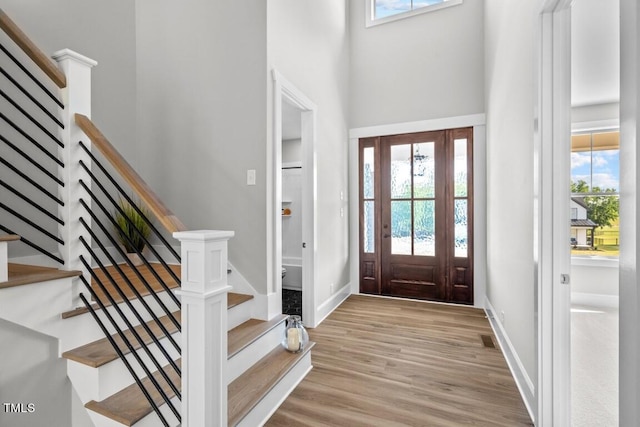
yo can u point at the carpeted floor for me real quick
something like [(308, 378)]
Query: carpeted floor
[(594, 365), (292, 302)]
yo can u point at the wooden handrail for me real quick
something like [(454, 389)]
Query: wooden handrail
[(170, 222), (32, 51)]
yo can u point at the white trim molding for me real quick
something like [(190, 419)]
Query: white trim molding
[(595, 300), (419, 126), (550, 229), (522, 379), (285, 90), (327, 307)]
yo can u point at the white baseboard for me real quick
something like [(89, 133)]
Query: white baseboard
[(595, 300), (327, 307), (522, 379)]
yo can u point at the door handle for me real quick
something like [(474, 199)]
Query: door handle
[(386, 235)]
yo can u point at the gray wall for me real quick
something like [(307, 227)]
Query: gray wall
[(509, 88), (201, 109), (423, 67), (309, 46), (28, 358), (103, 31)]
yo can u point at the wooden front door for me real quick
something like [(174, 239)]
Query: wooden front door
[(416, 225)]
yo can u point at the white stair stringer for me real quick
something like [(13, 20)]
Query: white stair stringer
[(270, 403), (51, 297)]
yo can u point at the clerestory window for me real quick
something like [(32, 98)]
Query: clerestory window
[(382, 11)]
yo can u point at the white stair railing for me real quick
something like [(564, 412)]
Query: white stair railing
[(76, 97)]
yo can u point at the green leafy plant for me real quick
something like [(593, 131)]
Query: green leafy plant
[(131, 239)]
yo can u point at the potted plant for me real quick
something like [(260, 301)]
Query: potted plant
[(132, 240)]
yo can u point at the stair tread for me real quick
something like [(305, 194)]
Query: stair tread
[(129, 405), (246, 333), (249, 389), (22, 274), (131, 275), (100, 352), (9, 237), (234, 299)]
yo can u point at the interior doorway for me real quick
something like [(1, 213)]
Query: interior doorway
[(292, 212), (294, 227)]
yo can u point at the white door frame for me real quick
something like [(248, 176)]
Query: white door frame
[(552, 148), (285, 90), (629, 213)]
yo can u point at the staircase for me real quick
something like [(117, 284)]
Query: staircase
[(164, 343), (261, 372)]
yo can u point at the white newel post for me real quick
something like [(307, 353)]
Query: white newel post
[(76, 97), (204, 327)]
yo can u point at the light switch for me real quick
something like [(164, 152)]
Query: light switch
[(251, 177)]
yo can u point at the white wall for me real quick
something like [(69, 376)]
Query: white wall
[(509, 41), (424, 67), (28, 358), (595, 52), (292, 224), (202, 118), (292, 150), (308, 44), (594, 276)]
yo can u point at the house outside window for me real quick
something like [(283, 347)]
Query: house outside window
[(595, 183), (382, 11)]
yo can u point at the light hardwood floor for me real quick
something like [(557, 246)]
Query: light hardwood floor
[(386, 362)]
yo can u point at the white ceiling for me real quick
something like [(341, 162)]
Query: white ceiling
[(595, 44)]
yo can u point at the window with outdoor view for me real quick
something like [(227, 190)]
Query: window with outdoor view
[(381, 11), (595, 184)]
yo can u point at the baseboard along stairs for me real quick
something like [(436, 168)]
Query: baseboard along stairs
[(261, 373)]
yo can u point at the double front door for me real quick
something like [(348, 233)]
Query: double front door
[(416, 215)]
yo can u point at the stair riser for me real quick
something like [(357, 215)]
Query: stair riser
[(105, 380), (85, 319), (261, 413), (239, 314), (248, 356), (4, 268)]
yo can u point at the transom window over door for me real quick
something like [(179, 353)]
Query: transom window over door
[(415, 228)]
